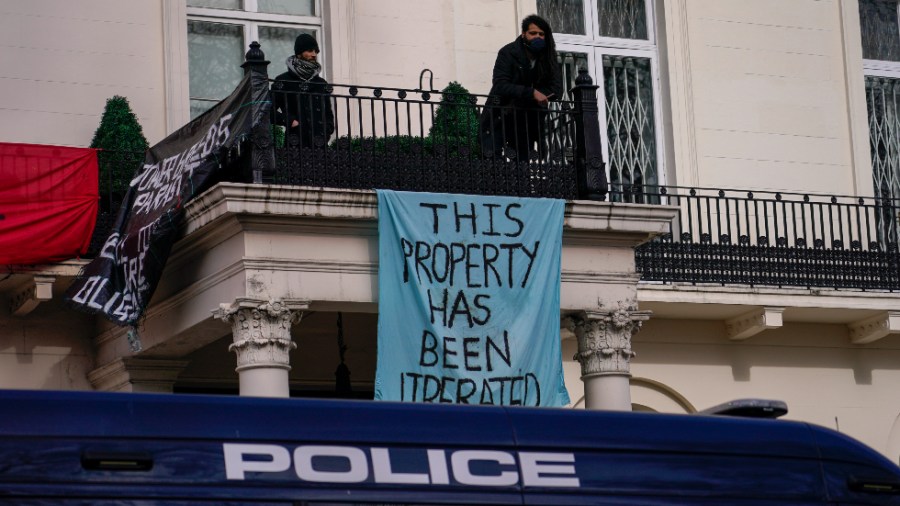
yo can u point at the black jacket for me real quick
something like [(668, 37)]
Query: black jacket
[(307, 102), (514, 82)]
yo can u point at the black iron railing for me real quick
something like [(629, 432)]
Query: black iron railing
[(386, 138), (350, 136), (772, 238), (392, 138)]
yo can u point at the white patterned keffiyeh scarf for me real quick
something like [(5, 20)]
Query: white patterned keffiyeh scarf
[(303, 69)]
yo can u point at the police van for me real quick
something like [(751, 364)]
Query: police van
[(88, 448)]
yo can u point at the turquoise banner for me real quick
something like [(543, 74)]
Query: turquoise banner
[(468, 299)]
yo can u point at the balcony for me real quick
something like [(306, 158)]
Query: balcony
[(293, 218), (401, 139), (764, 238), (719, 237)]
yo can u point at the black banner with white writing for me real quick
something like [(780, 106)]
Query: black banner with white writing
[(119, 282)]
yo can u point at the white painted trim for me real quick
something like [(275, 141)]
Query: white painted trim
[(247, 15), (628, 44), (857, 114), (340, 16), (523, 8), (665, 99), (881, 68), (175, 65), (681, 94)]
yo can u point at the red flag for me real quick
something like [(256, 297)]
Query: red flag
[(48, 202)]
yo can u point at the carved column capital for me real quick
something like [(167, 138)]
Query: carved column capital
[(261, 332), (604, 338)]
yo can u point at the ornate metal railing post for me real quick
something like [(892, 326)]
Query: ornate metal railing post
[(589, 166), (262, 150)]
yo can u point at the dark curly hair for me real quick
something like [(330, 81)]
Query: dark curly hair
[(547, 59)]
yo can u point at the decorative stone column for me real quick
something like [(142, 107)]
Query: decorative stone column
[(604, 352), (262, 342)]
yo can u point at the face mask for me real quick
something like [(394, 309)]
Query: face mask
[(537, 44)]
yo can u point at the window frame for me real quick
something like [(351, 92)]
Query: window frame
[(595, 58), (881, 68), (596, 46), (250, 22), (592, 25)]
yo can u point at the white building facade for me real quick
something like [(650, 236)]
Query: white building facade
[(779, 98)]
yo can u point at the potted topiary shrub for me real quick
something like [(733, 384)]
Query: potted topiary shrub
[(122, 145), (455, 125)]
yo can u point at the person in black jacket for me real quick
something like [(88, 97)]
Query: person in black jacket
[(526, 78), (301, 97)]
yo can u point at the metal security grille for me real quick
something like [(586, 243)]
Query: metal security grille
[(883, 104), (562, 128), (628, 87), (569, 63)]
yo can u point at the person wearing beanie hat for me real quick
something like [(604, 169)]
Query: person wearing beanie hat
[(305, 42), (301, 98)]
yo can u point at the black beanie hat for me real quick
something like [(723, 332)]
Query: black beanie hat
[(305, 42)]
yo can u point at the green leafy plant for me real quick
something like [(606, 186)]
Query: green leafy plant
[(454, 131), (389, 144), (278, 136), (455, 126), (122, 143), (455, 120)]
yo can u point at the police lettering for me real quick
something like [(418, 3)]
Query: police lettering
[(530, 469)]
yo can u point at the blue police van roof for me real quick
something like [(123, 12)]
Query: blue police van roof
[(613, 454)]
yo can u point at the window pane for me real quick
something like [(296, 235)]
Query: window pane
[(233, 5), (562, 128), (295, 7), (564, 16), (880, 30), (215, 53), (623, 19), (569, 63), (278, 44), (883, 104), (628, 85)]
